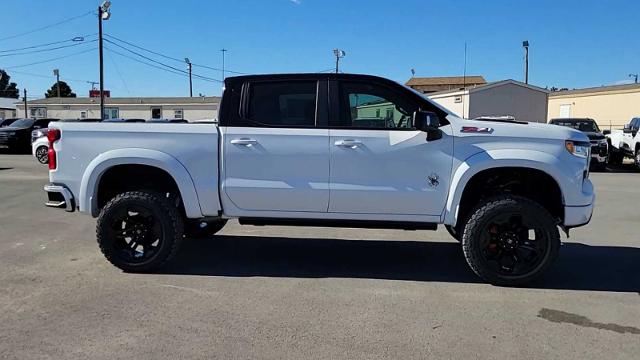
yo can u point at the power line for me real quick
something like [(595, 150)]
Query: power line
[(169, 57), (50, 60), (46, 26), (45, 76), (48, 44), (181, 73), (49, 49), (160, 63)]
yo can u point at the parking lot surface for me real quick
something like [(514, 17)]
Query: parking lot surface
[(288, 292)]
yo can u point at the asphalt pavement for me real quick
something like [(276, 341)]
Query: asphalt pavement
[(312, 293)]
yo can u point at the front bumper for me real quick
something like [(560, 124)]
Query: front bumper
[(58, 196)]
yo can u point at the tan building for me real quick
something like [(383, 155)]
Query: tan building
[(502, 98), (610, 106), (7, 108), (189, 108), (428, 85)]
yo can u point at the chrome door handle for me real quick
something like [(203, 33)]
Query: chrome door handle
[(244, 141), (348, 143)]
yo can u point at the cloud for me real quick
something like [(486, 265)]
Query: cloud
[(297, 2)]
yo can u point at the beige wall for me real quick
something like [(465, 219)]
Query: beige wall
[(612, 109), (523, 103), (448, 102)]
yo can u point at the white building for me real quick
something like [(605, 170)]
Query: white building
[(502, 98), (7, 108), (189, 108)]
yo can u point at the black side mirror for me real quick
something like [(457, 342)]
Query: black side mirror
[(425, 121), (627, 129), (606, 132)]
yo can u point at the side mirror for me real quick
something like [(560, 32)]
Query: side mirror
[(425, 121), (627, 129), (606, 132)]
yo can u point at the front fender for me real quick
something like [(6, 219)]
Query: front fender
[(490, 159), (88, 200)]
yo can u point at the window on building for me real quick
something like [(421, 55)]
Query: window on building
[(283, 104), (178, 114), (156, 113), (111, 113), (37, 112), (83, 114), (457, 99)]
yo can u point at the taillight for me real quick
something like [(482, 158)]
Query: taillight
[(53, 135)]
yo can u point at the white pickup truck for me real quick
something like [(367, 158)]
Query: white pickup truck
[(327, 150), (625, 143)]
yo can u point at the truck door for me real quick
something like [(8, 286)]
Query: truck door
[(275, 157), (379, 163)]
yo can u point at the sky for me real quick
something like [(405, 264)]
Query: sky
[(573, 43)]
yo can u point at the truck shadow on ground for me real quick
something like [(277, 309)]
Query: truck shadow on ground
[(579, 267)]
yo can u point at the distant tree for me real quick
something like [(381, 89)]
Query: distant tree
[(65, 91), (8, 89), (554, 89)]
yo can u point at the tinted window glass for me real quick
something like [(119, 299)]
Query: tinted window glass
[(283, 104), (22, 123), (374, 107)]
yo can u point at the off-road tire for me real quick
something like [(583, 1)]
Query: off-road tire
[(164, 212), (636, 160), (483, 214)]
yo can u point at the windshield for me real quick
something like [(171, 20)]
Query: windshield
[(582, 125), (22, 123)]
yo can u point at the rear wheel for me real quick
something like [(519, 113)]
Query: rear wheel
[(636, 160), (42, 154), (615, 157), (510, 240), (139, 231)]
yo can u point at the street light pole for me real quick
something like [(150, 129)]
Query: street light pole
[(56, 72), (103, 14), (635, 76), (525, 45), (339, 54), (189, 66), (223, 53)]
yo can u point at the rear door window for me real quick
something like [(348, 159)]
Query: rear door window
[(282, 104)]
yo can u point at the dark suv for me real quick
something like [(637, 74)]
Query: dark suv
[(17, 136), (599, 145)]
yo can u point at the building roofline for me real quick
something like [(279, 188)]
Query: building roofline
[(597, 90), (127, 100), (487, 87)]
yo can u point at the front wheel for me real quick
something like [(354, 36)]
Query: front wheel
[(42, 154), (139, 231), (510, 240)]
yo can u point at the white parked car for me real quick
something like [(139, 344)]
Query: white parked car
[(327, 150), (40, 149), (625, 143)]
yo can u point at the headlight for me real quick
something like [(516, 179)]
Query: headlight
[(577, 148)]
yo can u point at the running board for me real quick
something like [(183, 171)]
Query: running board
[(359, 224)]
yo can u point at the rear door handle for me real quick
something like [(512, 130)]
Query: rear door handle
[(348, 143), (244, 141)]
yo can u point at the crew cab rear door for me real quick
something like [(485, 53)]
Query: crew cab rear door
[(275, 158), (380, 164)]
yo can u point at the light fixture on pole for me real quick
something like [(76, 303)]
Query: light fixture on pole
[(103, 14), (635, 76), (339, 54), (190, 80), (525, 45), (56, 73)]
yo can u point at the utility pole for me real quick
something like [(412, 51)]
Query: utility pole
[(525, 45), (339, 54), (635, 76), (26, 113), (223, 53), (190, 79), (103, 14), (56, 72)]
